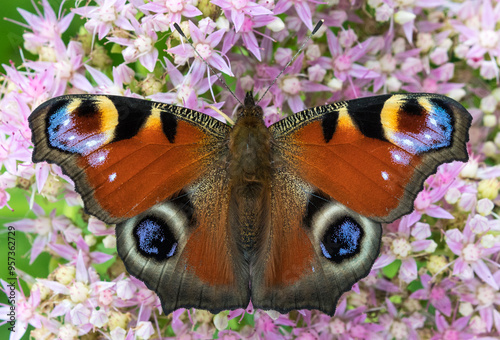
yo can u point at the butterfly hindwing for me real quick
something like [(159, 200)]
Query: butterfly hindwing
[(373, 154), (184, 250), (316, 248)]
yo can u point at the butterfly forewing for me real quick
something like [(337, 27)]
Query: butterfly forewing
[(373, 154)]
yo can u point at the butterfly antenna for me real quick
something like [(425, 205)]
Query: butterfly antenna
[(316, 28), (178, 29)]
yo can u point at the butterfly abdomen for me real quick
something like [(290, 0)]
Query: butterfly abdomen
[(250, 173)]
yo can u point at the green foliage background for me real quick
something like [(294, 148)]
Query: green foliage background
[(11, 41)]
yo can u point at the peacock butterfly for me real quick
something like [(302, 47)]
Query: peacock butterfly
[(210, 216)]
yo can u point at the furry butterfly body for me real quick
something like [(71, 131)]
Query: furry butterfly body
[(210, 216)]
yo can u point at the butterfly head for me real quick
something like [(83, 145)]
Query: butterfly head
[(249, 108)]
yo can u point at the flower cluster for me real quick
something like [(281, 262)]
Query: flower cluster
[(438, 275)]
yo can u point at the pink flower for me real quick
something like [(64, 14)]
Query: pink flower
[(188, 88), (472, 255), (46, 228), (205, 46), (397, 326), (485, 298), (26, 309), (106, 14), (68, 67), (247, 34), (142, 47), (115, 86), (456, 330), (401, 248), (301, 7), (46, 28), (71, 254), (291, 86), (483, 40), (344, 61), (175, 9), (438, 294), (237, 9)]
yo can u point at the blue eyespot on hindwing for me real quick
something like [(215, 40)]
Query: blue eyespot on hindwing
[(342, 239), (154, 238)]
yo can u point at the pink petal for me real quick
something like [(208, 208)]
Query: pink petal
[(488, 19), (65, 22), (484, 273), (304, 13), (408, 29), (81, 270), (56, 287), (229, 41), (408, 270), (383, 261), (100, 78), (218, 62), (42, 173), (387, 286), (237, 18), (438, 212), (175, 75), (282, 6), (421, 231), (333, 44), (461, 323), (154, 7), (253, 10), (460, 266), (149, 60), (496, 318), (420, 245), (190, 11), (420, 294), (215, 38), (251, 44), (196, 34), (487, 317), (79, 81), (443, 305), (441, 323), (391, 308), (296, 104), (99, 257), (37, 247)]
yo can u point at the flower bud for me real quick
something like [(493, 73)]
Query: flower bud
[(488, 188), (65, 274), (403, 17), (277, 25), (436, 263), (221, 321), (485, 206)]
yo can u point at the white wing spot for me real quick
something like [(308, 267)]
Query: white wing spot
[(385, 175), (112, 177)]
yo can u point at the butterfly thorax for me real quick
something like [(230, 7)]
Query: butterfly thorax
[(250, 172)]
